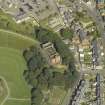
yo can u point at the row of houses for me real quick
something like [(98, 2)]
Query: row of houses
[(23, 9)]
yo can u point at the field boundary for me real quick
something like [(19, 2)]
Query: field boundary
[(18, 35), (8, 91)]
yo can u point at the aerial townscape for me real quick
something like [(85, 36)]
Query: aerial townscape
[(52, 52)]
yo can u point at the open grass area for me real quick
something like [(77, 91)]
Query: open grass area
[(14, 102), (12, 65), (3, 90), (14, 40), (56, 96)]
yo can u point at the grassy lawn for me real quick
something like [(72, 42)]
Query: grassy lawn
[(14, 40), (3, 90), (56, 96), (17, 102), (12, 65)]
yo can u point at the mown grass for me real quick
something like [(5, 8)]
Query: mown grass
[(12, 65), (14, 102), (14, 40)]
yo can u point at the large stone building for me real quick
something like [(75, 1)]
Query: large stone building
[(53, 56)]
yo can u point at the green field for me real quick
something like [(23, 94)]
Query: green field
[(3, 90), (15, 40), (12, 65), (17, 102)]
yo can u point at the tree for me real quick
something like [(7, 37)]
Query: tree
[(42, 82), (36, 96), (34, 83), (67, 33), (58, 79)]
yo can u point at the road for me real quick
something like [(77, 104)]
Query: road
[(100, 26), (91, 11)]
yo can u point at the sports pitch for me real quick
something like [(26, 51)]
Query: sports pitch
[(12, 65)]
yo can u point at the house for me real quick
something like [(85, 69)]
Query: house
[(76, 40), (53, 57), (85, 43), (100, 3)]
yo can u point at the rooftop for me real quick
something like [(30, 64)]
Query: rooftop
[(24, 8)]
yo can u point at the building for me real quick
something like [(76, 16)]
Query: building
[(24, 9), (100, 3), (53, 57)]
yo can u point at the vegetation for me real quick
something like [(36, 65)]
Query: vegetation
[(43, 77), (82, 16), (3, 90), (44, 36), (40, 75), (66, 33), (12, 66), (24, 28), (14, 40), (96, 34)]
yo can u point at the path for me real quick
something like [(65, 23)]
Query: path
[(8, 91)]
